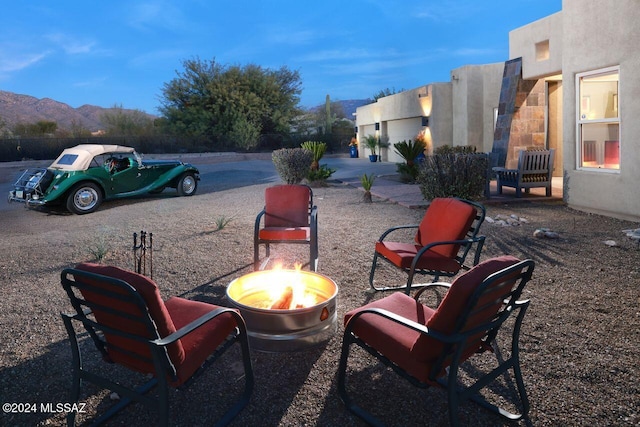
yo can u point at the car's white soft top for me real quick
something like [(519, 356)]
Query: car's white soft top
[(80, 156)]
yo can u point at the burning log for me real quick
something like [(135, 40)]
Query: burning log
[(284, 302)]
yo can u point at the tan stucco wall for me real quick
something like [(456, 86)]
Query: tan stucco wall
[(522, 44), (600, 34), (476, 92), (460, 112)]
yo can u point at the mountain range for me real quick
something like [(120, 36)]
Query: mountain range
[(16, 108)]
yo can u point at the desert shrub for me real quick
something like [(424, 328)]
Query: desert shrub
[(321, 174), (453, 175), (458, 149), (292, 164)]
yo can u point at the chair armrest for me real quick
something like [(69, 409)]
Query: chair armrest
[(200, 321), (461, 242), (405, 322), (399, 227), (432, 287), (259, 217)]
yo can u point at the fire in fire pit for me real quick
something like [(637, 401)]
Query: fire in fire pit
[(285, 310)]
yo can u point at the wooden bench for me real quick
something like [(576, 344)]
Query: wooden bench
[(535, 169)]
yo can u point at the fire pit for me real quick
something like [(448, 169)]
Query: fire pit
[(285, 310)]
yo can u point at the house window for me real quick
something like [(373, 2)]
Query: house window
[(598, 121)]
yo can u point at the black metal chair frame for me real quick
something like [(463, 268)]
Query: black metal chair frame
[(455, 346), (72, 282), (312, 241), (472, 239)]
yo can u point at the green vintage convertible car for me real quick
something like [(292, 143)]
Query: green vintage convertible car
[(85, 175)]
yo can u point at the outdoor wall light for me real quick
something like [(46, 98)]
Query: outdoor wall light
[(355, 129), (377, 126), (425, 120)]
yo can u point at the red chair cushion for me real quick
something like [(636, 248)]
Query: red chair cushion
[(202, 342), (445, 219), (402, 254), (287, 206), (156, 307), (444, 319), (282, 233), (390, 338)]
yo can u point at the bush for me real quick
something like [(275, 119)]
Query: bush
[(292, 164), (320, 175), (453, 175)]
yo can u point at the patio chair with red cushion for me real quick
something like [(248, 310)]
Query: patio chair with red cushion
[(443, 240), (289, 216), (428, 345), (132, 326)]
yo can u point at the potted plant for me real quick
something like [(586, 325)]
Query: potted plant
[(353, 148), (371, 142)]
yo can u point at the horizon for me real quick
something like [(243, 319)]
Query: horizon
[(122, 54)]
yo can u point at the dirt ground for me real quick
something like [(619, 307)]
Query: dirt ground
[(579, 344)]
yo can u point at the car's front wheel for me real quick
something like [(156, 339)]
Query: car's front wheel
[(84, 198), (187, 185)]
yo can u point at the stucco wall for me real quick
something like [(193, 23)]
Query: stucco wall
[(523, 41), (600, 34), (476, 92)]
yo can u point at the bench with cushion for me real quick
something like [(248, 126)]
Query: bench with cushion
[(535, 169)]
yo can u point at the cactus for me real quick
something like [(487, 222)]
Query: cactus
[(327, 107)]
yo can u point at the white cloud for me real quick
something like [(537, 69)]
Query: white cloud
[(12, 62), (71, 45)]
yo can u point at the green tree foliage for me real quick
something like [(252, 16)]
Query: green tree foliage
[(230, 103), (40, 128), (385, 92), (121, 122)]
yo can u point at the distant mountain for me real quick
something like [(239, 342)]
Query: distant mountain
[(15, 108)]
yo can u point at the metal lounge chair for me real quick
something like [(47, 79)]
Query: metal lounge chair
[(131, 326), (428, 345), (289, 216), (445, 236)]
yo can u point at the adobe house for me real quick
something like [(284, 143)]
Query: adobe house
[(588, 58), (460, 112), (572, 83)]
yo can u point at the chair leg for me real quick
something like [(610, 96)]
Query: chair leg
[(373, 271)]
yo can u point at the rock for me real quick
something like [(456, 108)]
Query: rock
[(489, 219), (610, 243), (114, 396), (539, 233), (545, 233)]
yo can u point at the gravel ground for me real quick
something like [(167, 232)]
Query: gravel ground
[(579, 340)]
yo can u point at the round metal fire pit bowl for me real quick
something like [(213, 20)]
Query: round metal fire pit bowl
[(271, 330)]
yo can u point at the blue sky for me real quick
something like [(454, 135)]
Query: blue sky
[(122, 52)]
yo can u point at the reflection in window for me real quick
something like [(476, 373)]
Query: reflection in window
[(598, 120)]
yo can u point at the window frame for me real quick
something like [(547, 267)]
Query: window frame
[(580, 121)]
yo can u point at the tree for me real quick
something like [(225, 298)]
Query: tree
[(40, 128), (385, 92), (121, 122), (230, 103)]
